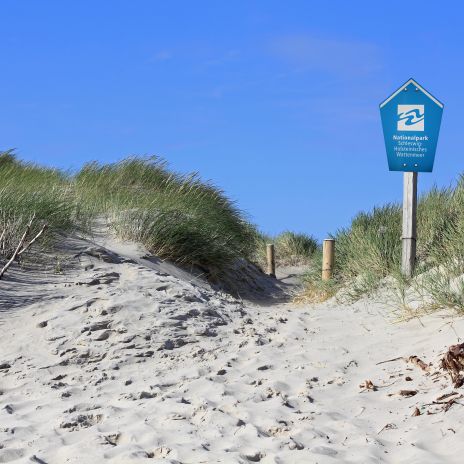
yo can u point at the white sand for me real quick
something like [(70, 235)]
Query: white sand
[(127, 362)]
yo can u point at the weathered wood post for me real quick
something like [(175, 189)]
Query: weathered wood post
[(409, 235), (328, 258), (270, 254)]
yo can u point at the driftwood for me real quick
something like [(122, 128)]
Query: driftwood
[(22, 245)]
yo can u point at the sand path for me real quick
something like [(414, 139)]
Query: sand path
[(128, 363)]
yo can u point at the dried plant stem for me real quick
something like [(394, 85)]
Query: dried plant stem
[(33, 240), (21, 248)]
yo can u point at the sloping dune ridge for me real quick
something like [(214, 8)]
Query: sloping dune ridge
[(125, 359)]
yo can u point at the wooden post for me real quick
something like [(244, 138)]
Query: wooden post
[(270, 254), (328, 258), (409, 236)]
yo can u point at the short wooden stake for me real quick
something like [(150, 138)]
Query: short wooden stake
[(328, 258), (270, 254), (409, 236)]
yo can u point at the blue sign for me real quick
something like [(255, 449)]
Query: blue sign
[(411, 120)]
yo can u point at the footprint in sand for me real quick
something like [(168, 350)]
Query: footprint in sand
[(254, 456), (82, 421), (324, 450), (161, 452), (12, 454), (103, 336), (295, 445)]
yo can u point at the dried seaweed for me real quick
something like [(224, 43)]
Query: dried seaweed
[(453, 363)]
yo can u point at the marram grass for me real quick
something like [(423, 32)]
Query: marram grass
[(291, 248), (369, 251), (177, 217), (28, 191)]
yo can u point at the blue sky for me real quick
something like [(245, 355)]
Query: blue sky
[(276, 102)]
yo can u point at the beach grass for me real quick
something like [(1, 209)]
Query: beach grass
[(369, 250), (291, 248), (31, 192), (177, 217)]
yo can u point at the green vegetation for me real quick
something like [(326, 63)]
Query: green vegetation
[(179, 218), (192, 222), (370, 250), (291, 248), (294, 248), (27, 191), (176, 217)]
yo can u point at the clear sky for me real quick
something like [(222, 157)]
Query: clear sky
[(276, 102)]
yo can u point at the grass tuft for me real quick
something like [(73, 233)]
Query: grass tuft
[(291, 248), (294, 248)]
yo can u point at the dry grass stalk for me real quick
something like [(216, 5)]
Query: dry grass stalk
[(22, 247)]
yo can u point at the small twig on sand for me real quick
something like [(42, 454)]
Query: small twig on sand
[(388, 384), (447, 395), (387, 427), (389, 360), (446, 404), (411, 359)]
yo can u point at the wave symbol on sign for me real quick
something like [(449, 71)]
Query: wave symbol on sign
[(411, 117)]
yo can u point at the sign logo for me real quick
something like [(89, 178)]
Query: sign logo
[(410, 143), (410, 118)]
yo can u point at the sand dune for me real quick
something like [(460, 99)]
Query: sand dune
[(125, 359)]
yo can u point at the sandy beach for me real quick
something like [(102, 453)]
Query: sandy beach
[(231, 232), (126, 359)]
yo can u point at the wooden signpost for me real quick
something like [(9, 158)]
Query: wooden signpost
[(411, 119), (409, 236)]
